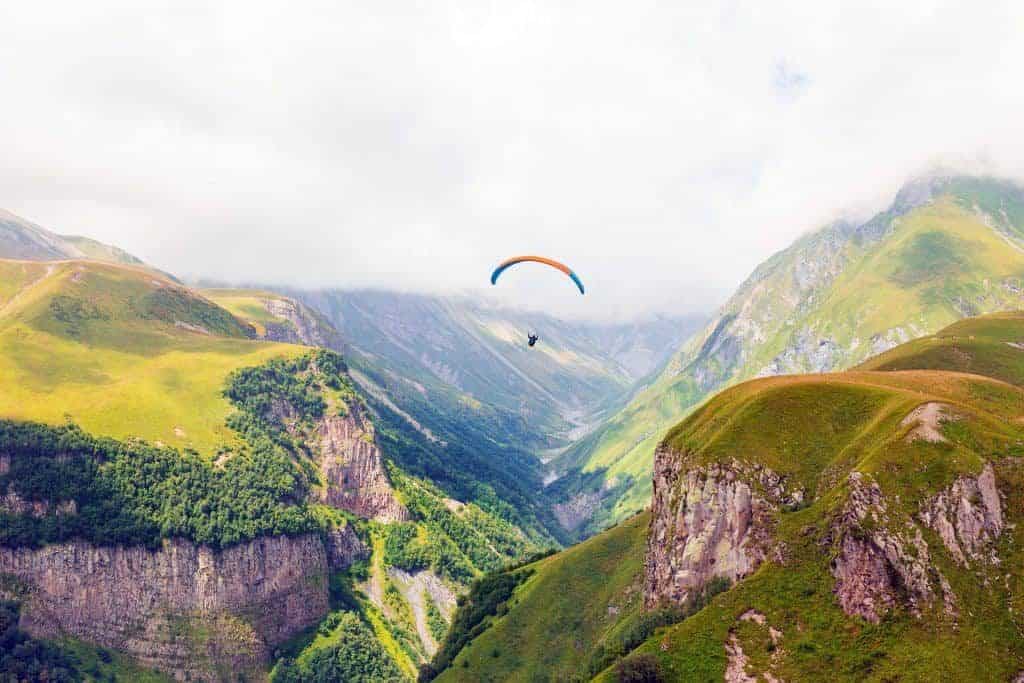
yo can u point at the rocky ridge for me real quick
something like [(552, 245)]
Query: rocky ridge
[(709, 522), (353, 468)]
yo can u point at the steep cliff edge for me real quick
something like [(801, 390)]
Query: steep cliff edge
[(184, 609), (352, 467), (709, 522)]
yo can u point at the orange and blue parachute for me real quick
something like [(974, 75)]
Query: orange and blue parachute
[(505, 265)]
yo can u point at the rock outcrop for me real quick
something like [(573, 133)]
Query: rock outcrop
[(353, 468), (884, 562), (184, 609), (299, 325), (707, 522), (577, 509), (881, 562), (13, 504), (926, 421), (736, 658), (344, 547), (968, 517)]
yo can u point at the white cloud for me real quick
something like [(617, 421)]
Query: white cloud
[(664, 148)]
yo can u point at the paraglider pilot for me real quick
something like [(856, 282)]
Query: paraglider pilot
[(532, 338)]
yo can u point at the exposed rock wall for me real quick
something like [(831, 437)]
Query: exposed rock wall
[(353, 468), (299, 325), (344, 547), (577, 510), (707, 523), (882, 561), (967, 516), (13, 504), (184, 609)]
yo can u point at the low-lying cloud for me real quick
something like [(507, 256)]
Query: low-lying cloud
[(663, 149)]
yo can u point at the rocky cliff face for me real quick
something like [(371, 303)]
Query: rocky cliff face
[(299, 325), (884, 561), (968, 517), (344, 547), (880, 562), (350, 461), (578, 509), (184, 609), (717, 521), (708, 522), (353, 468)]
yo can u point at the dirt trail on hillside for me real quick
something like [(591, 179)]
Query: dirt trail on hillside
[(21, 292), (929, 419)]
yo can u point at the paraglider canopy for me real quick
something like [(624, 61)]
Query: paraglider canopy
[(505, 265)]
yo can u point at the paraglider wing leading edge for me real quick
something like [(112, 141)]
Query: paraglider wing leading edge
[(505, 265)]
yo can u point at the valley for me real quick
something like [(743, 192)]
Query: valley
[(283, 484)]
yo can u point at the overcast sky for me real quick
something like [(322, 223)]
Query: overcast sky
[(662, 148)]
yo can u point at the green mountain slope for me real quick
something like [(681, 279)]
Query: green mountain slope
[(947, 248), (882, 543), (988, 345), (119, 350)]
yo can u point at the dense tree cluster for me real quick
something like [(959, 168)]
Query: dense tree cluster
[(172, 305), (354, 655), (25, 659), (407, 548), (485, 541), (112, 492), (279, 385), (487, 598)]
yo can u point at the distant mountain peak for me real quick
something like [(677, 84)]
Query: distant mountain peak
[(22, 239)]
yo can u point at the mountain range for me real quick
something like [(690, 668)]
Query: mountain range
[(226, 482), (946, 248)]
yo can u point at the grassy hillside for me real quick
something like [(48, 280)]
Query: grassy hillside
[(813, 431), (948, 248), (245, 304), (119, 350), (559, 616), (989, 345), (781, 423)]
